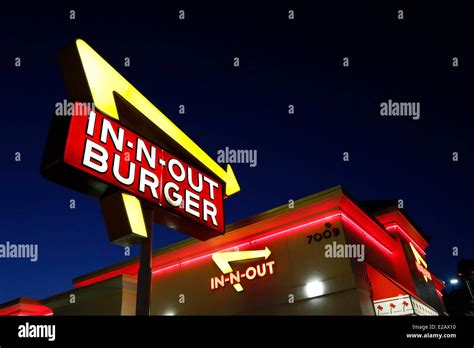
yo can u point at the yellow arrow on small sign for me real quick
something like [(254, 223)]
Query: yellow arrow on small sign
[(223, 259)]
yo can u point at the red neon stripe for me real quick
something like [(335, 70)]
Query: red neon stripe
[(273, 235), (132, 270), (180, 264), (366, 234), (24, 312), (166, 268), (210, 254), (407, 236), (294, 228)]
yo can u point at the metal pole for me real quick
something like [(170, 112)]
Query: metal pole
[(144, 272)]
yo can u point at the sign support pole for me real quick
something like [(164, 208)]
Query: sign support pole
[(145, 270)]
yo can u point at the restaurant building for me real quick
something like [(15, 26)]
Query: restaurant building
[(325, 254)]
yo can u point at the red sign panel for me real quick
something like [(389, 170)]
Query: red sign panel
[(114, 154)]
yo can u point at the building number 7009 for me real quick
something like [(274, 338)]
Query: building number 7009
[(327, 233)]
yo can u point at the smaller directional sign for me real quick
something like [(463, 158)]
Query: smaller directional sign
[(223, 260)]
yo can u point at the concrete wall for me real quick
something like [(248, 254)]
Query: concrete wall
[(114, 296), (343, 287), (187, 290)]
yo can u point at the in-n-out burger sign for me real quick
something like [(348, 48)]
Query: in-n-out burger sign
[(131, 157), (103, 148), (234, 277)]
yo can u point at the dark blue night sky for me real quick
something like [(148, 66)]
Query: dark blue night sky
[(282, 62)]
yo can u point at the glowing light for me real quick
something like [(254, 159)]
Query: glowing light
[(454, 281), (17, 311), (134, 214), (166, 268), (314, 288), (407, 236)]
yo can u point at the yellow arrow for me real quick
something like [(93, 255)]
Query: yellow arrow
[(103, 80), (222, 260)]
